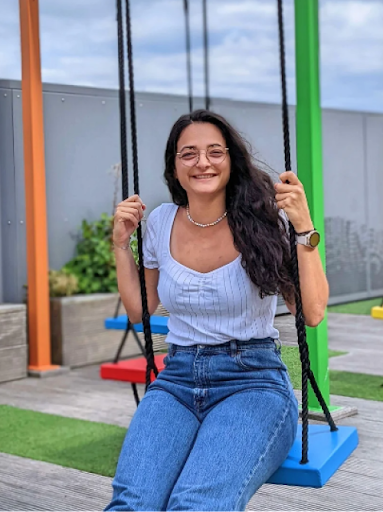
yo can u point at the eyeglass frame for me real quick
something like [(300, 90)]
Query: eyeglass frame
[(199, 154)]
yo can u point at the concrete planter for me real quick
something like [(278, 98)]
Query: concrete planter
[(13, 342), (78, 335)]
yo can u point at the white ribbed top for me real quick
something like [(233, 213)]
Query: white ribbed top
[(205, 308)]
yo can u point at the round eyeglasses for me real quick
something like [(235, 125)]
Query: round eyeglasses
[(190, 156)]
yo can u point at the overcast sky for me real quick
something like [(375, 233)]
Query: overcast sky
[(79, 46)]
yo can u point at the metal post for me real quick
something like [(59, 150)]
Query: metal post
[(309, 161), (206, 53), (188, 54), (35, 196)]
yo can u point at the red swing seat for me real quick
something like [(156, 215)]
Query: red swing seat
[(133, 370)]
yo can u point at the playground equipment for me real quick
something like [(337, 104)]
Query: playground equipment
[(329, 446)]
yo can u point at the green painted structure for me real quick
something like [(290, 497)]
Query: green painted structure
[(309, 161)]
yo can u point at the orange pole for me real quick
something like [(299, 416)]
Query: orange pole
[(35, 197)]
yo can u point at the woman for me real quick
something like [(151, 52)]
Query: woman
[(222, 416)]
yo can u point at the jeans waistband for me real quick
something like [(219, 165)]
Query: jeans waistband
[(231, 346)]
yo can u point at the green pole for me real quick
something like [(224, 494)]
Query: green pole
[(309, 161)]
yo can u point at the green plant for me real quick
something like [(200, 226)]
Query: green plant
[(94, 264), (62, 283), (134, 246)]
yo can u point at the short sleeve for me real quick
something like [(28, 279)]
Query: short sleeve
[(149, 241)]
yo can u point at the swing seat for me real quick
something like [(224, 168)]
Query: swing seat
[(158, 324), (326, 453), (134, 370), (377, 312), (131, 370)]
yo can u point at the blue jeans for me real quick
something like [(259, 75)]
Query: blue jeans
[(211, 429)]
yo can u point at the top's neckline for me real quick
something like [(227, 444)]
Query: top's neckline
[(191, 270)]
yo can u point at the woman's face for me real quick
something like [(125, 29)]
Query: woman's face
[(202, 165)]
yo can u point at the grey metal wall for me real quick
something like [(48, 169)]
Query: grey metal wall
[(82, 144), (353, 174)]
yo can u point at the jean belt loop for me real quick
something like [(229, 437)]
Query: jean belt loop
[(278, 344), (233, 348)]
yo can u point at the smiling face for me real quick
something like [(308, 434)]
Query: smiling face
[(211, 173)]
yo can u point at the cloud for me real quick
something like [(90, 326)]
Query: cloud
[(79, 46), (352, 54)]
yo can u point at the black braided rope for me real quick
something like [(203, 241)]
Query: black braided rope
[(300, 323), (206, 53), (122, 103), (145, 313), (188, 54)]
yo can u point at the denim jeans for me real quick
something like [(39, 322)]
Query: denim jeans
[(211, 429)]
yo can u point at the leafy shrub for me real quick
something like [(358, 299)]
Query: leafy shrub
[(134, 246), (94, 264)]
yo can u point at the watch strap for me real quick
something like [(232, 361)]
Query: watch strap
[(305, 232)]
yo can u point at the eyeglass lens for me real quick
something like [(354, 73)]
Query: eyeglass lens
[(191, 156)]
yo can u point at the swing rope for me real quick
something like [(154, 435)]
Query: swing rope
[(122, 106), (307, 373), (149, 353), (122, 102), (206, 53), (188, 54)]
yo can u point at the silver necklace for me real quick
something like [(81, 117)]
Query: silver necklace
[(204, 225)]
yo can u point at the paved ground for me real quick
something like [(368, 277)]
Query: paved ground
[(360, 336)]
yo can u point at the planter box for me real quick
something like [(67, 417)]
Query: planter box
[(78, 335), (13, 342)]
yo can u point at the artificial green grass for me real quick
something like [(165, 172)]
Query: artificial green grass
[(85, 445), (290, 356), (362, 307), (358, 385)]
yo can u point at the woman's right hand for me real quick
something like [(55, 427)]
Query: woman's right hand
[(128, 214)]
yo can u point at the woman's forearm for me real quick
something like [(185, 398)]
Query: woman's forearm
[(129, 284), (313, 283)]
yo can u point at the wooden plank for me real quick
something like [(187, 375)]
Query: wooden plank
[(63, 489), (69, 489)]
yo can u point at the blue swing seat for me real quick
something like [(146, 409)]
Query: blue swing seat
[(158, 324), (326, 453)]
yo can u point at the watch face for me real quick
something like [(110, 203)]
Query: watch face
[(314, 239)]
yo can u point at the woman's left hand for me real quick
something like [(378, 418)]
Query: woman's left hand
[(292, 199)]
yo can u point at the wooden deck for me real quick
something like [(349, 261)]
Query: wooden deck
[(32, 485)]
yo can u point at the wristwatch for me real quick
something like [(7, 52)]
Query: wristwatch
[(308, 238)]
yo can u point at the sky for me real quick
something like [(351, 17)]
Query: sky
[(79, 47)]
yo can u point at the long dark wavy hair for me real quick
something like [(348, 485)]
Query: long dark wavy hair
[(259, 233)]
